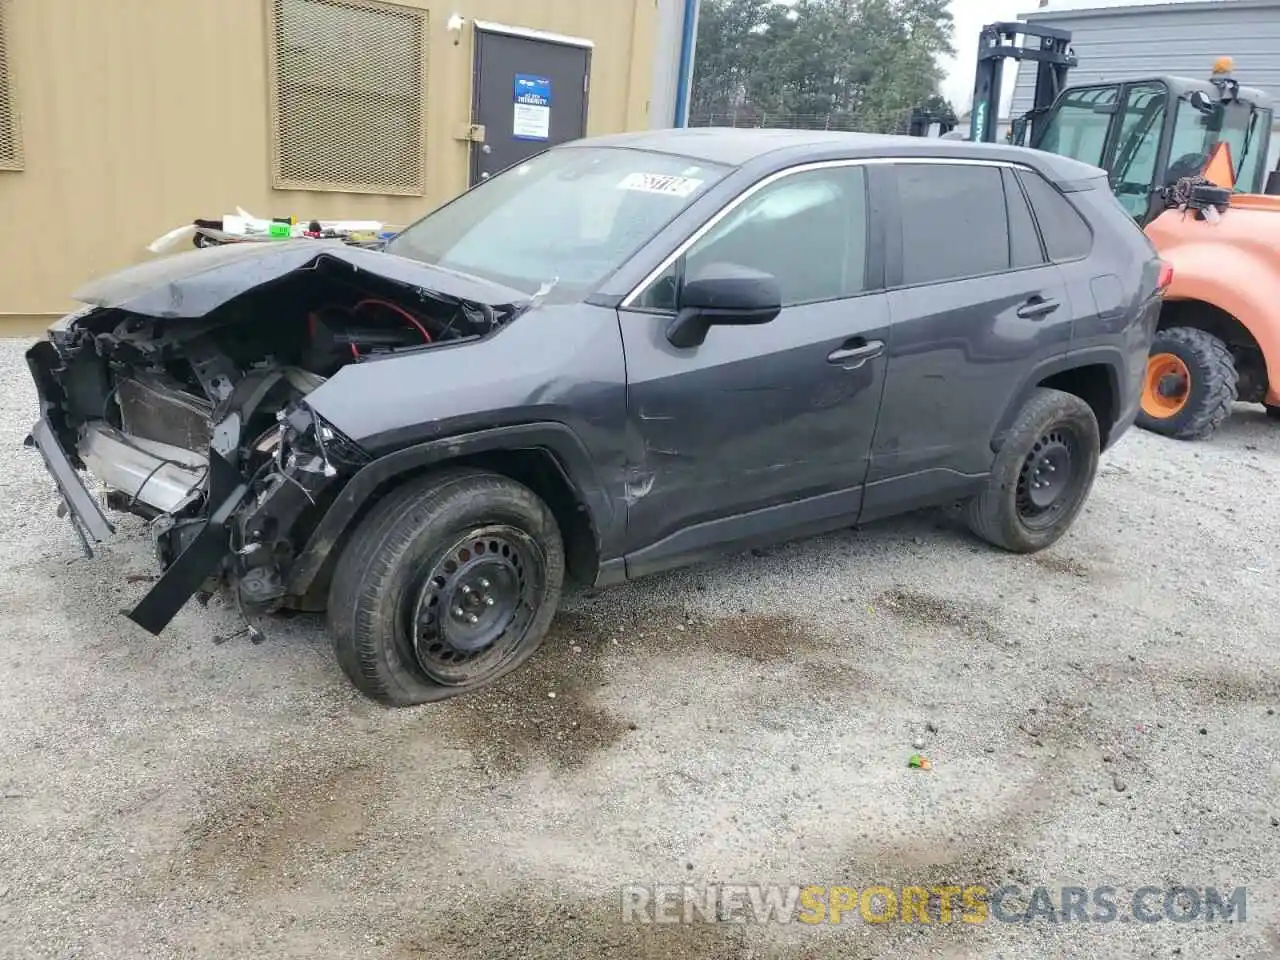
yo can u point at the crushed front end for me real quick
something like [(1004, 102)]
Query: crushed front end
[(200, 425)]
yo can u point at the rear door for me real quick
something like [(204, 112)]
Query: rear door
[(975, 306), (1098, 296)]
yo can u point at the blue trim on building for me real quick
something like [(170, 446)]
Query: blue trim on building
[(684, 75)]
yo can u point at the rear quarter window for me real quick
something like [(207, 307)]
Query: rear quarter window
[(1065, 232)]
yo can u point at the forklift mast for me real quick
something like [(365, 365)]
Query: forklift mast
[(1053, 57)]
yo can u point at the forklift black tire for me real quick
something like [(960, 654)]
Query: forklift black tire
[(449, 583), (1272, 411), (1189, 386), (1042, 474)]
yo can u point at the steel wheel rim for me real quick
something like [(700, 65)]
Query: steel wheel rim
[(1049, 477), (473, 606), (1166, 385)]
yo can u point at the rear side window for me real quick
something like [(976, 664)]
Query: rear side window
[(1066, 234), (1024, 242), (953, 221)]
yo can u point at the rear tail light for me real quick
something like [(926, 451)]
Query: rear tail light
[(1166, 276)]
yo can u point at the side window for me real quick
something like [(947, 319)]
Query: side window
[(1024, 242), (809, 230), (1138, 145), (953, 221), (1066, 234), (1076, 129)]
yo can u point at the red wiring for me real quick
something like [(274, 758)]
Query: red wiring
[(398, 309), (312, 321)]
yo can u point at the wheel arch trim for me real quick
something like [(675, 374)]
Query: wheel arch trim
[(565, 448), (1112, 359)]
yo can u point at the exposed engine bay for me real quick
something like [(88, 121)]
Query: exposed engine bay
[(199, 425)]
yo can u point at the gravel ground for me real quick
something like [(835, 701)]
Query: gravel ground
[(1100, 714)]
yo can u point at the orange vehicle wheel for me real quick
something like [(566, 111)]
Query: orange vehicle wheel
[(1189, 384), (1166, 387)]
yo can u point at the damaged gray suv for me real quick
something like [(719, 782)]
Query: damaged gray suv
[(624, 355)]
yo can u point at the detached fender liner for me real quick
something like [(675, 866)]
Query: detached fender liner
[(227, 490)]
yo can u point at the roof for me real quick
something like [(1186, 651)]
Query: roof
[(1055, 7), (731, 146), (738, 146)]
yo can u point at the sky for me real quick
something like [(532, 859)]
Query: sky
[(970, 16)]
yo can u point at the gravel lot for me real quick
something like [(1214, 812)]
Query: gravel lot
[(1100, 714)]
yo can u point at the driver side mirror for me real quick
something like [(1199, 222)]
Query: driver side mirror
[(723, 293)]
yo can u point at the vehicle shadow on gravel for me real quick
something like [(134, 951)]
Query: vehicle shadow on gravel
[(548, 711)]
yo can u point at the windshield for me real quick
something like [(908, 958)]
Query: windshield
[(1243, 128), (560, 222)]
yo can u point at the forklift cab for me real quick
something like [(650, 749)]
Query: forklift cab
[(1148, 133)]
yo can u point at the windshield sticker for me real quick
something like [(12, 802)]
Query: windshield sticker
[(659, 183)]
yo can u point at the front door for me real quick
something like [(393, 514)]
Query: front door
[(530, 93), (775, 420)]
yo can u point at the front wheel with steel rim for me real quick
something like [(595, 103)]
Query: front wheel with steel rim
[(448, 584), (472, 607), (1042, 475)]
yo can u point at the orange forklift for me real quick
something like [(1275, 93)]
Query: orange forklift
[(1187, 159)]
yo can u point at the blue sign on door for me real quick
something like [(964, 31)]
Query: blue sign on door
[(532, 119)]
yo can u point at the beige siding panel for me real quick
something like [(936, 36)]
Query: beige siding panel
[(141, 115)]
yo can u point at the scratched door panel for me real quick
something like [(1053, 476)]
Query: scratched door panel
[(753, 417)]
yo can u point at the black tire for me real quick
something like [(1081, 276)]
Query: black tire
[(1055, 442), (396, 570), (1272, 412), (1209, 394)]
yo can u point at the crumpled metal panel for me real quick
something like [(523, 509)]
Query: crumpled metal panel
[(196, 282)]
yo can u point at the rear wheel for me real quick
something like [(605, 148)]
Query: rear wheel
[(1190, 384), (448, 584), (1273, 412), (1042, 474)]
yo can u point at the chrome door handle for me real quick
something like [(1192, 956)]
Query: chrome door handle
[(1037, 307), (855, 353)]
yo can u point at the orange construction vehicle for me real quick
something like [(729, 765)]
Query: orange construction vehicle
[(1187, 159)]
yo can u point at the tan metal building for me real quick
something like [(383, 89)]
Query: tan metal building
[(122, 119)]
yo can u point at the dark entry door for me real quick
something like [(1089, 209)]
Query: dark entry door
[(530, 93)]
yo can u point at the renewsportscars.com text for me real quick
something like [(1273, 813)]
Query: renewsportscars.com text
[(974, 904)]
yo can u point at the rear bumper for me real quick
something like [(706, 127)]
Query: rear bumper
[(1126, 420)]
